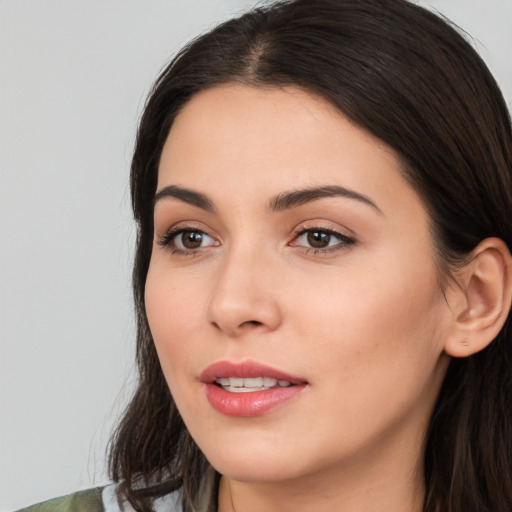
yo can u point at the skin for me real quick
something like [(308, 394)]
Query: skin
[(364, 322)]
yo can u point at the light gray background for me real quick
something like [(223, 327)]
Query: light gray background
[(73, 77)]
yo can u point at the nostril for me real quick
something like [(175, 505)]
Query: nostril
[(252, 322)]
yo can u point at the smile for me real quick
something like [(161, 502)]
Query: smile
[(248, 389), (250, 384)]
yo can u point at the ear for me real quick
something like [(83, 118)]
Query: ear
[(481, 302)]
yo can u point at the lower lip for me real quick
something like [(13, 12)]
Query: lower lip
[(250, 404)]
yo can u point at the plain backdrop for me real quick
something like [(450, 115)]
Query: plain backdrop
[(73, 78)]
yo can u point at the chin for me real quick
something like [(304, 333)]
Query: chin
[(258, 462), (260, 471)]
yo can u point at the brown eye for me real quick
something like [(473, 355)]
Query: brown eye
[(318, 239), (187, 240), (190, 239), (322, 240)]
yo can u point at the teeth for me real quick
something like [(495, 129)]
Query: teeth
[(252, 383), (236, 382), (246, 385)]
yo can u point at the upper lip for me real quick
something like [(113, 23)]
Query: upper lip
[(245, 369)]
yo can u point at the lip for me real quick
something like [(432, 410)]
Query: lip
[(245, 369), (255, 403)]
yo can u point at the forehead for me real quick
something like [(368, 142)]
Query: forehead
[(235, 112), (233, 138)]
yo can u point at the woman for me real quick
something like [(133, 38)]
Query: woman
[(322, 277)]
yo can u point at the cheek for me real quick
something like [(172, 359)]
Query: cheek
[(371, 344), (174, 313), (372, 324)]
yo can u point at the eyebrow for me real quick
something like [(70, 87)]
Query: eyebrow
[(186, 195), (287, 200), (283, 201)]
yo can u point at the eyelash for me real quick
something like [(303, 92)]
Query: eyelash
[(168, 240), (345, 242)]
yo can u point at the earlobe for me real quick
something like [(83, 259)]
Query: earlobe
[(486, 287)]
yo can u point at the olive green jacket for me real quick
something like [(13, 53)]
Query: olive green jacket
[(101, 499), (83, 501)]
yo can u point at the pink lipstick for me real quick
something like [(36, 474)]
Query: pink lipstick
[(248, 388)]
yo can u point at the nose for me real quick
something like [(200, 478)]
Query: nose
[(244, 297)]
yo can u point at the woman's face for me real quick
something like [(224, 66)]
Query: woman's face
[(288, 247)]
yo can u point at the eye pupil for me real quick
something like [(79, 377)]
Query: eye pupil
[(318, 239), (192, 239)]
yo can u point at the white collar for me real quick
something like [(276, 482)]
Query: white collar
[(169, 503)]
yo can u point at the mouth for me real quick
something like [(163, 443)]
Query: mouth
[(248, 388), (250, 384)]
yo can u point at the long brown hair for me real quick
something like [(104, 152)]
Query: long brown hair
[(412, 80)]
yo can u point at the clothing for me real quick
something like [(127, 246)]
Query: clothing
[(100, 499)]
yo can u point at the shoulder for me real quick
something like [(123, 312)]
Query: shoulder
[(100, 499), (82, 501)]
